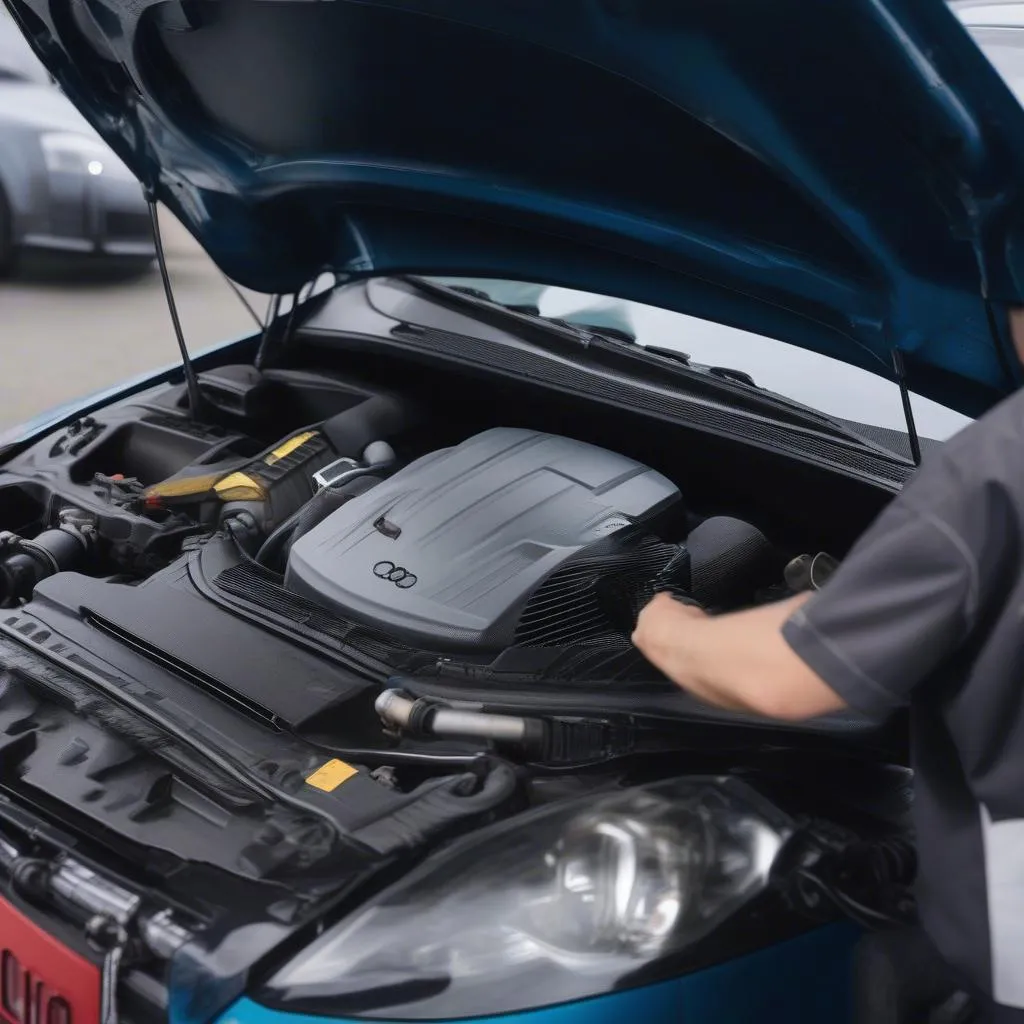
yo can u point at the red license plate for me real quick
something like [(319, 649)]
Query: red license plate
[(41, 980)]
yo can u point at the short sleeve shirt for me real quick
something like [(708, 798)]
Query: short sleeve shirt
[(928, 610)]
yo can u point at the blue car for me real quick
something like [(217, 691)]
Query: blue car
[(317, 696)]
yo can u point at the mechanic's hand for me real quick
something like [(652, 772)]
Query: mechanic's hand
[(660, 626), (810, 572)]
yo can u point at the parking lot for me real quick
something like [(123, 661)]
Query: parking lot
[(69, 334)]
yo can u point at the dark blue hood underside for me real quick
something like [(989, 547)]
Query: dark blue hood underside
[(843, 175)]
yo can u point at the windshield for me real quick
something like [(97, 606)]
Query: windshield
[(828, 385), (998, 29)]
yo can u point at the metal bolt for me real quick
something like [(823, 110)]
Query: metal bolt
[(104, 933)]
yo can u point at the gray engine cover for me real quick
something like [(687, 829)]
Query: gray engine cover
[(481, 525)]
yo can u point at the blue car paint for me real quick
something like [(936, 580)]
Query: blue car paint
[(806, 980), (846, 176)]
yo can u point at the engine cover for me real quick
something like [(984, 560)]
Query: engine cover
[(447, 551)]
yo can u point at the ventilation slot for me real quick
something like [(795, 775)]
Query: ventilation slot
[(593, 600)]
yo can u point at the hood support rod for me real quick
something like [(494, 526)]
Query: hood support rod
[(191, 380), (908, 411), (268, 339)]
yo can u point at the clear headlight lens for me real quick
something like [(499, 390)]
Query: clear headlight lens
[(552, 906), (72, 153)]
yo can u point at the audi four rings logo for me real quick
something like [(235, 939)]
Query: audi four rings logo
[(402, 578)]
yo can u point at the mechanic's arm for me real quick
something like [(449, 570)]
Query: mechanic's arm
[(901, 602), (739, 661)]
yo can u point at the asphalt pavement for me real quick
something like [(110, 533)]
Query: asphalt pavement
[(67, 332)]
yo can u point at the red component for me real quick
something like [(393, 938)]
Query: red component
[(153, 501), (41, 980), (117, 476)]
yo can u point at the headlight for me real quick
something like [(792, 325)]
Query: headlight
[(72, 153), (549, 907)]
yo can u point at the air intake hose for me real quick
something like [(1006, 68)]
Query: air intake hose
[(433, 718), (274, 552), (24, 563), (729, 559), (723, 562)]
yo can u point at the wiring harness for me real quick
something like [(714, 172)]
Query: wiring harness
[(829, 868)]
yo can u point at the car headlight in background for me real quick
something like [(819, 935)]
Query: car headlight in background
[(552, 906), (73, 153)]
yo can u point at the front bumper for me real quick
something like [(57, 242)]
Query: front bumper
[(806, 980), (98, 215)]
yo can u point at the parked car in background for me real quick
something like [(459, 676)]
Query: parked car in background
[(62, 189)]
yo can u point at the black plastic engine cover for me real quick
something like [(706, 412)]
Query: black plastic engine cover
[(447, 552)]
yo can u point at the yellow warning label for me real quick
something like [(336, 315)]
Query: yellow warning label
[(240, 487), (183, 487), (331, 775), (289, 446)]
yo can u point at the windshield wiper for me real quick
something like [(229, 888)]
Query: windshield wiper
[(611, 333), (725, 372), (678, 355), (605, 348)]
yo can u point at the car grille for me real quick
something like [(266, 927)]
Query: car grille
[(120, 224), (67, 219)]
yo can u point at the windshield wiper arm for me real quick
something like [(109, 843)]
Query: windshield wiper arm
[(675, 354), (611, 333), (725, 372), (720, 383), (652, 364), (556, 336)]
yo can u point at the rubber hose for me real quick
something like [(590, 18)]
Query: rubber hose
[(398, 710), (318, 508), (728, 558)]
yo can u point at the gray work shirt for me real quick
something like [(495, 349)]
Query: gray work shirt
[(928, 608)]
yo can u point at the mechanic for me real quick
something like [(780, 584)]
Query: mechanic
[(926, 610)]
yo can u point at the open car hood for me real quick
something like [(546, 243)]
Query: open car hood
[(845, 176)]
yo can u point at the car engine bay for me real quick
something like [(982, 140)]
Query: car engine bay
[(512, 554), (395, 627)]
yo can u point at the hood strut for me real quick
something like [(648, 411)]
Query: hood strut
[(908, 409), (191, 380)]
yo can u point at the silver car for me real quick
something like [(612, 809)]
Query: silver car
[(62, 189)]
